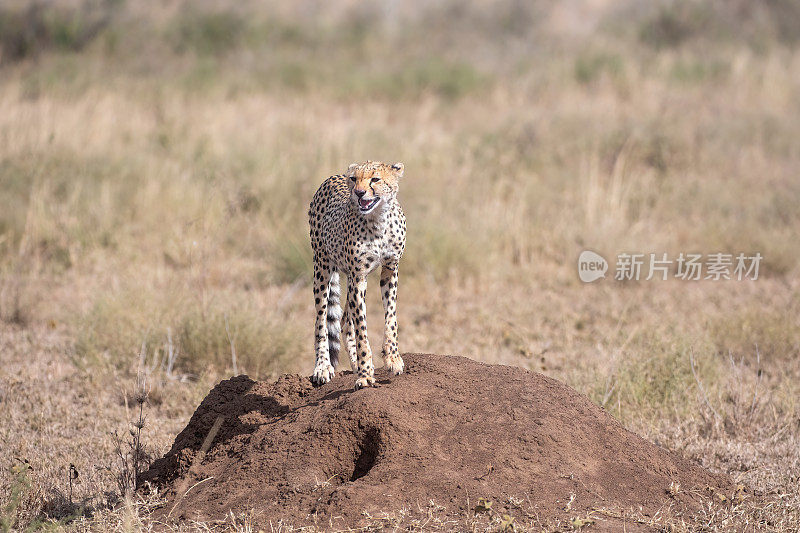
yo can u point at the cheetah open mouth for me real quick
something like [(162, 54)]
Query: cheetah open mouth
[(365, 206)]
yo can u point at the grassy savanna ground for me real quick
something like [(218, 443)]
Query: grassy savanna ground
[(157, 160)]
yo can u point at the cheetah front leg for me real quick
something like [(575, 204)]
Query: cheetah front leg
[(323, 370), (391, 353), (357, 309)]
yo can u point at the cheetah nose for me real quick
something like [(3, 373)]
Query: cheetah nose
[(360, 193)]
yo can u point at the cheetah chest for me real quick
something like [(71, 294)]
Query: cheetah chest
[(370, 254)]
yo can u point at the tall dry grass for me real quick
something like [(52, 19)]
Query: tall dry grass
[(156, 162)]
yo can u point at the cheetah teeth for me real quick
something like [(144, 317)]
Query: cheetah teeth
[(367, 205)]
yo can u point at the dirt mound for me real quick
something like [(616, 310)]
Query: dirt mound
[(429, 443)]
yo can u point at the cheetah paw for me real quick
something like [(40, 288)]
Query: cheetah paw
[(365, 382), (395, 366), (322, 374)]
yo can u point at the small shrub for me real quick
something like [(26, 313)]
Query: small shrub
[(449, 80), (674, 24), (207, 32), (588, 68), (20, 487), (41, 27), (292, 259), (438, 252), (209, 341), (777, 334), (696, 71), (786, 17), (203, 334), (655, 373), (130, 452)]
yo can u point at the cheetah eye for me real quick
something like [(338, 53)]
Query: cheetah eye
[(352, 178), (374, 180)]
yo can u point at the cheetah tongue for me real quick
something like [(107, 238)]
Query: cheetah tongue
[(365, 203)]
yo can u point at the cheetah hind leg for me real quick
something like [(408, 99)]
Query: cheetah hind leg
[(349, 337), (324, 369)]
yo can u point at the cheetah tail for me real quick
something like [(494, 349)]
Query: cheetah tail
[(334, 319)]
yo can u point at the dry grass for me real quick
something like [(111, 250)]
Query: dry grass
[(156, 162)]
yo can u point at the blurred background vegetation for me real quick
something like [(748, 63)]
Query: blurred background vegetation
[(157, 160)]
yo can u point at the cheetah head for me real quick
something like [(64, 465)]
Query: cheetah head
[(373, 185)]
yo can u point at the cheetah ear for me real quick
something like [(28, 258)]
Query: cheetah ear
[(398, 169), (352, 168)]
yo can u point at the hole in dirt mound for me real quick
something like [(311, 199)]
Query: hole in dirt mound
[(368, 450), (449, 430)]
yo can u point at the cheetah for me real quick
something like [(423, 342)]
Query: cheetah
[(356, 224)]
